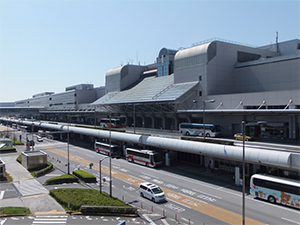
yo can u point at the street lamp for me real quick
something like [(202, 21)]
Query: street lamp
[(243, 122), (134, 118), (68, 148), (110, 180), (100, 178), (205, 101)]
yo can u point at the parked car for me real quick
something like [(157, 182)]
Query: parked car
[(39, 139), (152, 192), (239, 136)]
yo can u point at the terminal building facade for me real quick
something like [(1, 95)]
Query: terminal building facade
[(259, 85)]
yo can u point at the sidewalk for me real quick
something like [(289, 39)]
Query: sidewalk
[(32, 194)]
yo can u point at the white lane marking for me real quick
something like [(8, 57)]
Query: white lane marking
[(215, 196), (2, 194), (290, 220), (164, 221), (148, 219)]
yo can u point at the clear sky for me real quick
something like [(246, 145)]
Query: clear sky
[(47, 45)]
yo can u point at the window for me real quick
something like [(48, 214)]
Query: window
[(200, 77), (200, 93)]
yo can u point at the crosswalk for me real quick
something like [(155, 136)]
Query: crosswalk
[(39, 220)]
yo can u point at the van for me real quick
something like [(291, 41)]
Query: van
[(152, 192)]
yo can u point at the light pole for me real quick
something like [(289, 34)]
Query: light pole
[(100, 178), (110, 180), (205, 101), (68, 148), (243, 123), (32, 137), (134, 118)]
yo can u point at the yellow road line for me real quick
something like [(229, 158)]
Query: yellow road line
[(195, 204)]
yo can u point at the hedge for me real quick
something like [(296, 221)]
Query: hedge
[(7, 150), (74, 198), (115, 210), (85, 176), (66, 178), (42, 170)]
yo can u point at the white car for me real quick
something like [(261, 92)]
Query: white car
[(152, 192)]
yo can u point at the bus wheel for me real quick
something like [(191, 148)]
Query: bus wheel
[(271, 199), (207, 135), (187, 133), (147, 164)]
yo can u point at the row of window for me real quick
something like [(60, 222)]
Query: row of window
[(277, 186)]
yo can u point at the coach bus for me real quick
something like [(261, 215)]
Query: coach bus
[(276, 189), (144, 157), (113, 123), (197, 129), (105, 149)]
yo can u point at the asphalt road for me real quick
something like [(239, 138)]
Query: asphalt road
[(194, 200), (191, 197)]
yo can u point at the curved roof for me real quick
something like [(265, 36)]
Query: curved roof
[(193, 51), (252, 155), (114, 71), (166, 51)]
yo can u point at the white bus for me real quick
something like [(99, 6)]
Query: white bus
[(144, 157), (276, 189), (104, 148), (195, 129)]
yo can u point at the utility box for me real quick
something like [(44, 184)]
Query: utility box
[(33, 159), (2, 169)]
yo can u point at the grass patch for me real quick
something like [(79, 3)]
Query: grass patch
[(15, 211), (7, 178), (19, 159), (77, 197), (16, 142), (66, 178)]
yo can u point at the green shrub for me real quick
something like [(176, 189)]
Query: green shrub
[(118, 210), (66, 178), (7, 150), (85, 176), (42, 170), (19, 159), (77, 197)]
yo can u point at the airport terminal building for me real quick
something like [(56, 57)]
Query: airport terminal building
[(259, 85)]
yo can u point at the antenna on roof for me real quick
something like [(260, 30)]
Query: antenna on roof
[(277, 45)]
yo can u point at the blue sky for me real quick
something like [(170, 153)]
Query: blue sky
[(49, 45)]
